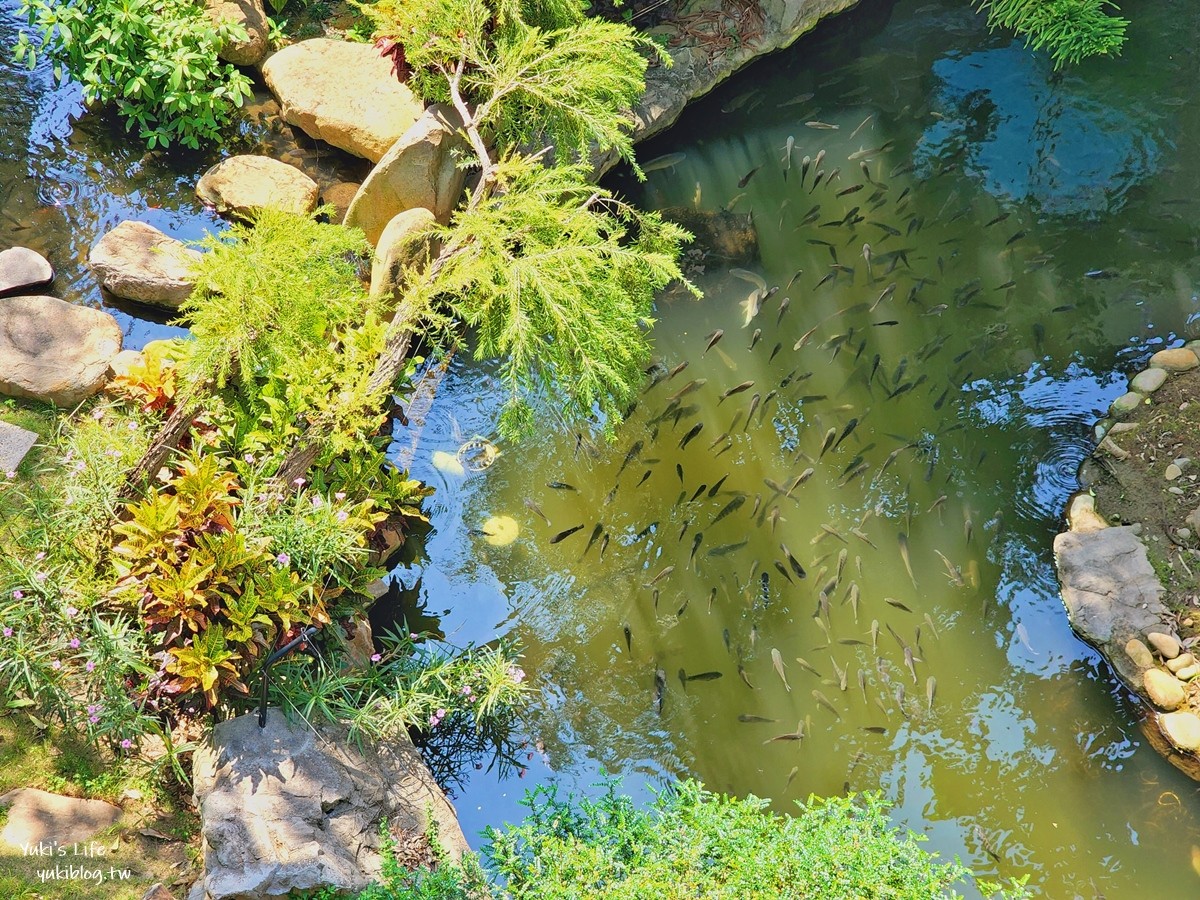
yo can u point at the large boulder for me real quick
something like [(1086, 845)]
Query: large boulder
[(341, 93), (1111, 592), (400, 248), (136, 261), (54, 351), (285, 807), (37, 819), (420, 169), (251, 16), (242, 185), (22, 269)]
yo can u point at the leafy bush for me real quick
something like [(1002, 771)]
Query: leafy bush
[(1071, 30), (155, 59)]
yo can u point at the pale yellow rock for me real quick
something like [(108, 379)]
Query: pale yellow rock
[(242, 185), (1167, 645), (1082, 515), (1178, 360), (400, 248), (1182, 729), (1182, 661), (1187, 673), (1140, 654), (1164, 689), (253, 18)]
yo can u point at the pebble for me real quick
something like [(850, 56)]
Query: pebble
[(1149, 381), (1140, 654), (1125, 404), (1182, 729), (1184, 534), (1177, 491), (1182, 462), (1182, 661), (1179, 359), (1173, 472), (1187, 673), (1193, 519), (1124, 427), (1165, 690), (1167, 645)]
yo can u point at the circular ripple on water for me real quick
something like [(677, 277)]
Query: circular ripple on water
[(60, 192)]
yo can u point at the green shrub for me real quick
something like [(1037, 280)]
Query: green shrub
[(155, 59), (1071, 30)]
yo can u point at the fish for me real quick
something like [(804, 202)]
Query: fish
[(821, 126), (563, 535), (717, 440), (536, 510), (692, 432), (840, 672), (660, 576), (731, 507), (677, 369), (736, 389), (751, 307), (705, 676), (679, 471), (745, 179), (852, 189), (660, 689), (909, 664), (874, 635), (861, 125), (875, 729), (712, 491), (561, 486), (827, 442), (603, 544), (755, 720), (807, 666), (712, 339), (797, 735), (642, 480), (666, 161), (892, 601), (791, 775), (628, 639), (798, 99), (788, 147), (793, 563), (777, 662), (773, 518), (846, 432), (726, 549), (745, 678), (596, 532), (755, 338), (824, 701), (712, 596), (930, 690), (634, 452), (695, 545), (694, 385), (1023, 636), (902, 538), (754, 401), (1016, 237), (682, 678)]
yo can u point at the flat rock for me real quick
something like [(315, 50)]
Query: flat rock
[(15, 444), (1182, 729), (1139, 654), (284, 807), (251, 16), (242, 185), (136, 261), (1172, 472), (1125, 404), (400, 248), (342, 93), (1179, 359), (1164, 689), (1167, 645), (419, 170), (22, 269), (54, 351), (1149, 381), (38, 817), (1110, 591)]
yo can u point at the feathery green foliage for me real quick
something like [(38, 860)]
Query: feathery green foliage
[(558, 278), (1071, 30)]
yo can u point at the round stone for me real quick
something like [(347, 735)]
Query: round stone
[(1187, 673), (1184, 534), (1182, 729), (1140, 654), (1167, 645), (1182, 661), (1149, 381), (1177, 491), (1173, 472), (1178, 360), (1125, 404), (1164, 689), (1124, 428)]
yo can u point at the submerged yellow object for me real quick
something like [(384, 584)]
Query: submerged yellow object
[(447, 462), (499, 531)]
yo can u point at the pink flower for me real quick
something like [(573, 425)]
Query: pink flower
[(342, 515), (249, 457), (283, 559), (375, 657), (317, 502), (126, 743), (74, 643), (17, 595), (516, 673), (42, 576), (93, 719), (10, 474), (91, 666), (8, 632), (298, 482), (340, 495), (56, 665), (40, 555), (441, 713), (72, 612)]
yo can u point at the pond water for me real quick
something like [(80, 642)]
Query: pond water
[(955, 308)]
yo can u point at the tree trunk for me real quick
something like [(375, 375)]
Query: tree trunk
[(167, 439)]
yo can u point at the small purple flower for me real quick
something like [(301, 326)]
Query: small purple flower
[(467, 691), (342, 515), (516, 673), (17, 595), (249, 457), (298, 482), (375, 657), (72, 612), (441, 713), (10, 474), (8, 632), (56, 665), (340, 495), (126, 743), (283, 559), (74, 643), (433, 721), (92, 707), (93, 719), (40, 555), (42, 576), (90, 666)]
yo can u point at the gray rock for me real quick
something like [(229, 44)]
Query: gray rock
[(251, 16), (1139, 654), (1172, 472), (242, 185), (1164, 689), (1125, 404), (15, 444), (286, 808), (1167, 645), (39, 817), (1149, 381), (1124, 428), (22, 269), (1184, 534), (54, 351), (158, 891), (399, 248), (1180, 359), (342, 93), (136, 261), (419, 170), (1182, 729), (1110, 591)]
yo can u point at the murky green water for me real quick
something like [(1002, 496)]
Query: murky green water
[(1029, 234), (972, 396)]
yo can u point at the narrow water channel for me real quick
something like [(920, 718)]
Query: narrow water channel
[(1031, 236), (916, 416)]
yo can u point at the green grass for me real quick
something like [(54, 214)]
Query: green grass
[(40, 418)]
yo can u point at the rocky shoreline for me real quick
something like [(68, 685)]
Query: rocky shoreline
[(1123, 564)]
